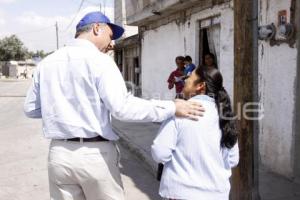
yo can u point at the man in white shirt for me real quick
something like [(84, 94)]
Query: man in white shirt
[(74, 91)]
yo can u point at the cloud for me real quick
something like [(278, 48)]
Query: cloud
[(33, 19), (109, 11), (7, 1), (2, 22), (38, 31)]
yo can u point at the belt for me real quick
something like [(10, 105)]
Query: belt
[(94, 139)]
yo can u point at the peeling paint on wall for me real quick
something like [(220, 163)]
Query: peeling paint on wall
[(276, 128), (173, 39)]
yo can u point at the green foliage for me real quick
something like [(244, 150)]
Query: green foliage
[(40, 54), (12, 48)]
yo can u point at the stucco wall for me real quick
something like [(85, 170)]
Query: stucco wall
[(277, 73), (141, 9), (120, 19), (161, 45), (119, 14)]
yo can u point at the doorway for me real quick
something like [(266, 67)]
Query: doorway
[(209, 39)]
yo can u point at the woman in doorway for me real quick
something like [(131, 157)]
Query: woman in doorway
[(198, 155), (210, 61)]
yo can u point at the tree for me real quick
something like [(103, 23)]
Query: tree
[(39, 54), (12, 48)]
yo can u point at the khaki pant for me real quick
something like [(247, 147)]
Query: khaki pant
[(84, 171)]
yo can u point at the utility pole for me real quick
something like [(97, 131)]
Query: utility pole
[(297, 107), (57, 41), (245, 176)]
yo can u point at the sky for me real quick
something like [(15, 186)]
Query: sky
[(33, 21)]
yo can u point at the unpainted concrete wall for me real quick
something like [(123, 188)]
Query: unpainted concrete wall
[(277, 74), (120, 19)]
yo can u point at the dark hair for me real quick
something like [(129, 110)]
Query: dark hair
[(213, 57), (181, 58), (188, 58), (214, 87)]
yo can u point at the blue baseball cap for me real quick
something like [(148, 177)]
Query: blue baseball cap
[(98, 17)]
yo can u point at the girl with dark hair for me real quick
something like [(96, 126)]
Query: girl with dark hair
[(198, 155)]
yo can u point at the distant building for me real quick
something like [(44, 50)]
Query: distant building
[(19, 69), (1, 67), (127, 51)]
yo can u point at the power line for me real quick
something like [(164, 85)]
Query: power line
[(92, 3), (96, 4), (80, 6), (104, 6)]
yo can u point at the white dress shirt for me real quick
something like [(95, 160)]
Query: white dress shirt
[(75, 90), (196, 166)]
